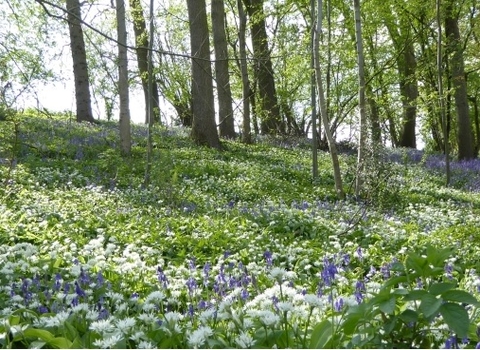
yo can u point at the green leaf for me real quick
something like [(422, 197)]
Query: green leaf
[(60, 343), (400, 291), (437, 257), (321, 335), (409, 316), (39, 333), (460, 296), (416, 262), (394, 281), (388, 306), (439, 288), (456, 318), (430, 305), (416, 294), (37, 344)]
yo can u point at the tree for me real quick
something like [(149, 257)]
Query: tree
[(204, 131), (456, 60), (362, 140), (222, 76), (323, 106), (80, 67), (440, 91), (271, 121), (141, 45), (246, 128), (125, 137)]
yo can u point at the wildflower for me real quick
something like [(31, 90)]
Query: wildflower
[(313, 300), (156, 296), (146, 345), (338, 305), (198, 337), (110, 342), (268, 258), (125, 325), (328, 273), (244, 340), (102, 326), (268, 318), (284, 306), (359, 289), (451, 342), (449, 270), (277, 274)]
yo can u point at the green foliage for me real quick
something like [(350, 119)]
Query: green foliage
[(224, 249)]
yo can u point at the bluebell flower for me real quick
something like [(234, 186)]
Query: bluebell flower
[(449, 270), (385, 271), (161, 277), (328, 273), (477, 346), (338, 305), (244, 295), (268, 257), (42, 309), (100, 279), (79, 290), (359, 290), (451, 342), (191, 284)]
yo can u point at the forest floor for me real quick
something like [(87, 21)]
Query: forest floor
[(238, 248)]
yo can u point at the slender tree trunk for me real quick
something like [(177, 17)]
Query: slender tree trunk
[(313, 97), (465, 144), (204, 129), (476, 119), (362, 140), (323, 106), (225, 110), (125, 137), (440, 92), (142, 44), (80, 67), (150, 105), (271, 121), (247, 131)]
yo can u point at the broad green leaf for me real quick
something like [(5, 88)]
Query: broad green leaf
[(388, 306), (394, 281), (39, 333), (460, 296), (439, 288), (321, 335), (430, 304), (400, 291), (456, 317), (409, 316), (60, 343), (437, 257), (37, 344), (416, 294), (416, 262)]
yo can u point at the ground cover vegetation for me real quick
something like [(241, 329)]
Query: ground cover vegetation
[(233, 248)]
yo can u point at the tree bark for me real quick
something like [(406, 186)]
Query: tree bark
[(271, 121), (141, 44), (323, 106), (222, 76), (204, 130), (125, 136), (454, 44), (362, 140), (409, 91), (246, 127), (80, 66)]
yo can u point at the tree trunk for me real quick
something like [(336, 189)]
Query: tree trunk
[(125, 137), (409, 91), (454, 44), (323, 106), (80, 67), (247, 130), (362, 140), (204, 130), (271, 121), (222, 76), (141, 44)]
